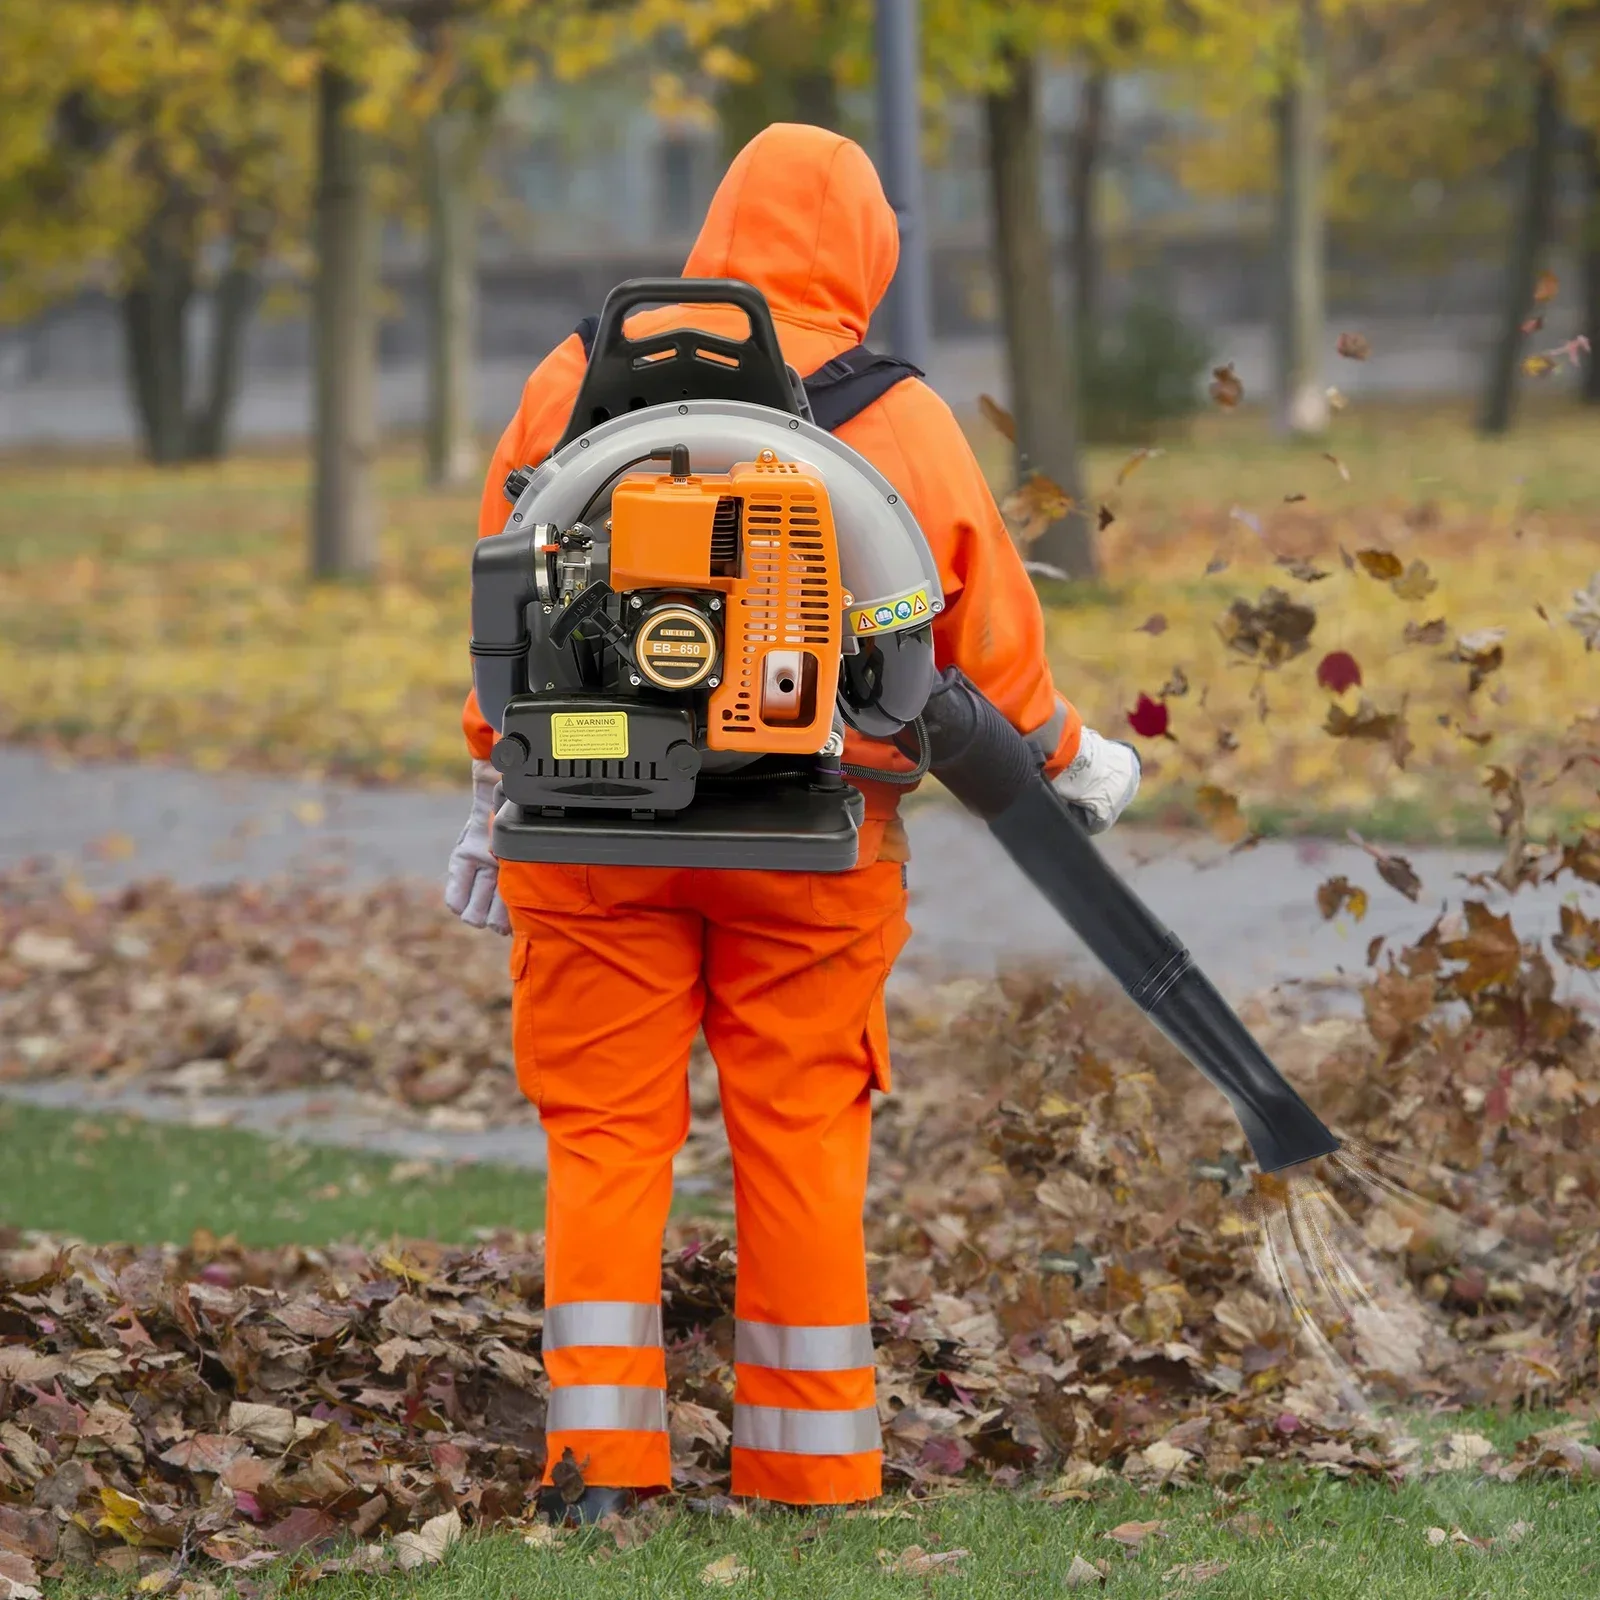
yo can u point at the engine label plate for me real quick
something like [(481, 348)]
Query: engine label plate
[(908, 610), (589, 735)]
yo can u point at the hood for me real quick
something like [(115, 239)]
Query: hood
[(802, 216)]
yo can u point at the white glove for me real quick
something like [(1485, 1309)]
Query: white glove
[(472, 880), (1102, 780)]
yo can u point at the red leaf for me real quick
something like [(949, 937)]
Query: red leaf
[(1149, 718), (1338, 671)]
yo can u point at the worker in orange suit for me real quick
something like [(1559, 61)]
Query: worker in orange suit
[(615, 969)]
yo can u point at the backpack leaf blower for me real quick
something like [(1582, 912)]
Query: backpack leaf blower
[(695, 595)]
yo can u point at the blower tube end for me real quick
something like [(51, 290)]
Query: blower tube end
[(992, 770)]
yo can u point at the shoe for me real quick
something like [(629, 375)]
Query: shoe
[(589, 1507)]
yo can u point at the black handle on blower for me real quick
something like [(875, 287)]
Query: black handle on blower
[(995, 773)]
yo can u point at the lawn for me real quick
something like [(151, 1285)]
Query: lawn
[(163, 615), (106, 1179)]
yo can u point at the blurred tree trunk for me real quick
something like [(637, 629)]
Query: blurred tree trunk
[(1083, 177), (791, 52), (344, 518), (1591, 269), (155, 310), (1536, 197), (1038, 347), (1301, 243), (233, 303), (454, 148)]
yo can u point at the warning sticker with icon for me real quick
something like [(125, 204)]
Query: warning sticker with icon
[(900, 611)]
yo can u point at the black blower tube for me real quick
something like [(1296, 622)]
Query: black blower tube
[(995, 773)]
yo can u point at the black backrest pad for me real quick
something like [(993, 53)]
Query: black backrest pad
[(838, 391)]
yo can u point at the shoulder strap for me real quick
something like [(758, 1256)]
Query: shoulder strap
[(837, 391), (844, 387)]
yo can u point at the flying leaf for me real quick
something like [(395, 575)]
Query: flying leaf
[(1176, 686), (1367, 722), (1578, 943), (1538, 366), (1273, 630), (1585, 613), (1293, 499), (1431, 632), (1416, 584), (1298, 567), (1137, 460), (1384, 565), (1547, 288), (1575, 347), (1339, 466), (1531, 325), (1248, 518), (1220, 812), (1107, 517), (1481, 652), (1226, 389), (1354, 346), (1335, 399), (1155, 625), (1149, 718), (1338, 894), (1394, 869), (1218, 563), (998, 417), (1490, 951), (1338, 671), (1034, 506)]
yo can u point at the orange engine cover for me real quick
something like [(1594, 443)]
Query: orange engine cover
[(763, 537)]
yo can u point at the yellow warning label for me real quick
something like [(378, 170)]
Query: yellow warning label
[(884, 615), (589, 735)]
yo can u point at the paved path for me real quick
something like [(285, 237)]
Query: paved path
[(1251, 918)]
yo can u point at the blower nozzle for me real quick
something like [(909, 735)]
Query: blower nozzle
[(995, 773)]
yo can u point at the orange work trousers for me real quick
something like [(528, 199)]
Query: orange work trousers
[(615, 969)]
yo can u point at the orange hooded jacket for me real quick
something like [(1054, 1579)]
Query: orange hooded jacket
[(802, 216)]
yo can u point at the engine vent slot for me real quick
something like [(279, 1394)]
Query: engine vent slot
[(727, 525)]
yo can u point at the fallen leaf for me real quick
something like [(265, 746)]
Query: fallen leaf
[(1226, 389), (1131, 1535), (567, 1477), (426, 1547), (998, 417), (724, 1571), (1196, 1571), (1149, 718), (1155, 625), (269, 1426), (915, 1562), (1339, 894), (1437, 1537), (1354, 346), (1081, 1574), (1339, 671)]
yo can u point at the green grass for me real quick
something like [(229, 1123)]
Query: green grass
[(1282, 1534), (118, 1179)]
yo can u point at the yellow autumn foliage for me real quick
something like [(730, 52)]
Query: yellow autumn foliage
[(164, 616)]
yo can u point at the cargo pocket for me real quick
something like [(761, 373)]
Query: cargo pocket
[(547, 887), (878, 1042), (860, 898)]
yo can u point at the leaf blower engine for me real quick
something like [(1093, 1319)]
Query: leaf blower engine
[(695, 595)]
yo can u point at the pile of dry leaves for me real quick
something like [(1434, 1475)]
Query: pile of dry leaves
[(1063, 1229)]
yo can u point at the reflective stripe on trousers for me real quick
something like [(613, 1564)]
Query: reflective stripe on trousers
[(604, 1407), (809, 1431)]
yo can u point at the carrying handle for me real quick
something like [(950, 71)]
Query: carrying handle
[(626, 374)]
